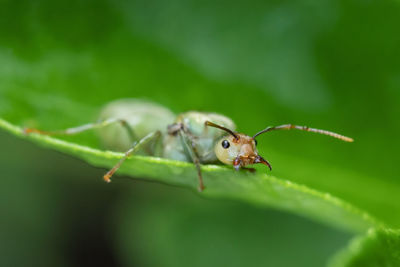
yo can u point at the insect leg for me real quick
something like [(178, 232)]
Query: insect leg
[(85, 127), (193, 155), (136, 146)]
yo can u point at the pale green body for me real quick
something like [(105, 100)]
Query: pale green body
[(145, 117)]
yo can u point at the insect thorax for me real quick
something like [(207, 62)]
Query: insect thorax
[(203, 138)]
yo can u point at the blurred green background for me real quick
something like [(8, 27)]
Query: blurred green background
[(328, 64)]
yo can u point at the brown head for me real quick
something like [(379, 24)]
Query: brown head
[(240, 150), (237, 149)]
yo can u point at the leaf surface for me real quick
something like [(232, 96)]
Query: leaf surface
[(378, 247), (259, 189)]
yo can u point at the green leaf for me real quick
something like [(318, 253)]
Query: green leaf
[(56, 77), (378, 247), (259, 189), (265, 63)]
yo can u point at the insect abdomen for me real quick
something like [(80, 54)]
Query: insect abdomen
[(143, 117)]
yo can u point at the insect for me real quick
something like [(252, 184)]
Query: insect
[(142, 127)]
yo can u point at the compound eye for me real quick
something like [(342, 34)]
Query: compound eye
[(225, 144), (255, 141)]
